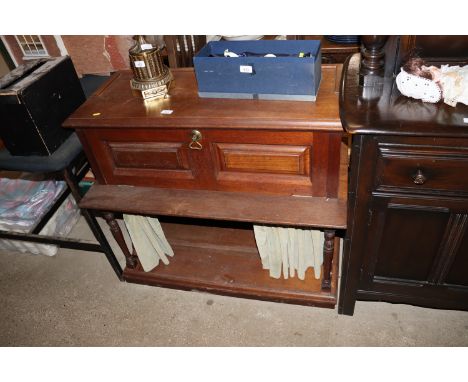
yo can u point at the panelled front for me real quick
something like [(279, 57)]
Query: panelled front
[(414, 241), (415, 248), (246, 160), (292, 163), (145, 157)]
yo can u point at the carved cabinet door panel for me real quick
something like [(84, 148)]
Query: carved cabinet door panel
[(415, 249), (153, 157), (283, 162)]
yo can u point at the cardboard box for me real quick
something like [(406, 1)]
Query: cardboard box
[(284, 77), (35, 99)]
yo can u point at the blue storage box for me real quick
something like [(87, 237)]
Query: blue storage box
[(284, 77)]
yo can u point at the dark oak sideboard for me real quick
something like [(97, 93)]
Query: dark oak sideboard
[(209, 169), (407, 235)]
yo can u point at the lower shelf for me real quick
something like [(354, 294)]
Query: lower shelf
[(223, 259)]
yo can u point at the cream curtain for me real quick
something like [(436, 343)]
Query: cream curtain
[(149, 240), (287, 251)]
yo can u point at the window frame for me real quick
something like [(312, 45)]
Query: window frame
[(31, 54)]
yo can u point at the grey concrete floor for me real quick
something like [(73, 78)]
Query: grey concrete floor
[(75, 299)]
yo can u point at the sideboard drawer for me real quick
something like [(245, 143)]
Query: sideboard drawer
[(422, 169), (282, 162)]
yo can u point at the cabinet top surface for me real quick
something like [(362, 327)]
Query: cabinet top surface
[(114, 105), (374, 105)]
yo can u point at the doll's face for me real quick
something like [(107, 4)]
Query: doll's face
[(435, 71)]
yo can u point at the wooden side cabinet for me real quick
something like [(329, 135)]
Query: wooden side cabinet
[(407, 238), (210, 170)]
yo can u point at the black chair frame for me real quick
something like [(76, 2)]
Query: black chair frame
[(72, 174)]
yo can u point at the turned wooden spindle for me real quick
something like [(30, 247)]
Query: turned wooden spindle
[(373, 52), (328, 249), (131, 259)]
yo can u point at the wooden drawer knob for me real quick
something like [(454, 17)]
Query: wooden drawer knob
[(419, 178)]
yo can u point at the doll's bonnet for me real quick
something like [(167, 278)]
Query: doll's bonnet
[(418, 87)]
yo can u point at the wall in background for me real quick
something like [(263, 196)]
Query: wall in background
[(4, 69), (91, 54)]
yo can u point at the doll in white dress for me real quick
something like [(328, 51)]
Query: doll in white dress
[(431, 84)]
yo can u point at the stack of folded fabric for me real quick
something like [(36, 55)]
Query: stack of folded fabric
[(23, 203)]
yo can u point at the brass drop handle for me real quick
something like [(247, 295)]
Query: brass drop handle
[(419, 177), (196, 138)]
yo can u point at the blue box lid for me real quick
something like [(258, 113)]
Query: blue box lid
[(277, 47)]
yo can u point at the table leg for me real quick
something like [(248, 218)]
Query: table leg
[(328, 249), (131, 259)]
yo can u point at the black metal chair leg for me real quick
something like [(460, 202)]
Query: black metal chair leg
[(71, 181)]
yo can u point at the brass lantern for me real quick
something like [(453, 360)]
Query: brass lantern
[(151, 77)]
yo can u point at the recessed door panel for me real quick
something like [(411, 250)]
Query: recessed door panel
[(155, 158)]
